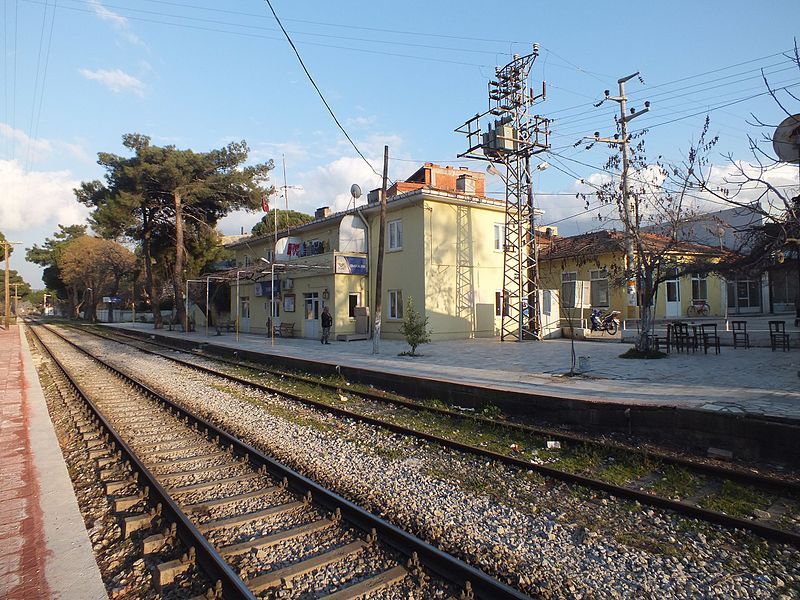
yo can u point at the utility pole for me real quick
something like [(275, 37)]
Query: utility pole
[(512, 135), (630, 210), (376, 333), (6, 249)]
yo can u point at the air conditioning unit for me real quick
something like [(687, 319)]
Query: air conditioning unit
[(288, 284)]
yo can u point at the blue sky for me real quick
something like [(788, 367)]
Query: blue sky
[(195, 73)]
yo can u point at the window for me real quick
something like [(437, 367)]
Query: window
[(500, 304), (247, 261), (353, 300), (547, 302), (699, 286), (395, 304), (245, 310), (269, 255), (568, 280), (499, 236), (599, 287), (396, 235)]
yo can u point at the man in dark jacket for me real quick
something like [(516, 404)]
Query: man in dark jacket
[(327, 321)]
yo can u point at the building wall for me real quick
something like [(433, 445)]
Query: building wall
[(402, 269), (480, 265), (551, 272)]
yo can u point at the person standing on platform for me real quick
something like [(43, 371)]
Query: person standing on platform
[(327, 322)]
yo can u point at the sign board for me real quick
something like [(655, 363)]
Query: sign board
[(106, 299), (110, 299), (351, 265)]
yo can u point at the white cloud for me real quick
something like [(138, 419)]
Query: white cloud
[(34, 150), (25, 144), (32, 199), (116, 80), (119, 22)]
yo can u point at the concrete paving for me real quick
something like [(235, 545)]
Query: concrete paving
[(754, 380), (45, 550)]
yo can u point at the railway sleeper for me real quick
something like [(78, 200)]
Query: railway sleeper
[(139, 521), (123, 503), (188, 447), (188, 459), (158, 541), (199, 471), (277, 538), (250, 517), (214, 593), (374, 584), (282, 578), (213, 483), (167, 572), (112, 487), (209, 504)]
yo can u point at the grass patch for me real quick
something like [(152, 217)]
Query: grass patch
[(650, 354), (623, 471), (645, 542), (736, 500), (583, 460), (676, 483)]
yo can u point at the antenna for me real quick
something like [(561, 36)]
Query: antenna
[(355, 192), (786, 140)]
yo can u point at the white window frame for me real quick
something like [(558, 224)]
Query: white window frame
[(247, 260), (244, 310), (569, 277), (500, 303), (700, 280), (394, 313), (395, 237), (499, 236), (596, 277), (547, 302)]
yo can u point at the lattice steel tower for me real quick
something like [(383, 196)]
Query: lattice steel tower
[(512, 136)]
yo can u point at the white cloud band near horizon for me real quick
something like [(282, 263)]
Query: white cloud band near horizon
[(116, 80)]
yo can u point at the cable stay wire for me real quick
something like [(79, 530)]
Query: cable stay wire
[(319, 92)]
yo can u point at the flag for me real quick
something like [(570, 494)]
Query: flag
[(264, 202)]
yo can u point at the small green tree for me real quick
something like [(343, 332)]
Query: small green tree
[(414, 328)]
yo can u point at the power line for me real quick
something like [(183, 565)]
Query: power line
[(319, 92)]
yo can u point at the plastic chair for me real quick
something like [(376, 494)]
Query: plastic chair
[(778, 335), (740, 335)]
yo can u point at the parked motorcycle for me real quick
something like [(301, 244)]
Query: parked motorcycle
[(601, 322)]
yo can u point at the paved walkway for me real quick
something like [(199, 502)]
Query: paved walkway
[(44, 548), (755, 380)]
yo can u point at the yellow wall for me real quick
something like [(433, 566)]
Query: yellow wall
[(551, 270)]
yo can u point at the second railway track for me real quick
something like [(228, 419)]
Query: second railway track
[(776, 518), (254, 525)]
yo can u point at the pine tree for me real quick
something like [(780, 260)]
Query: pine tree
[(414, 328)]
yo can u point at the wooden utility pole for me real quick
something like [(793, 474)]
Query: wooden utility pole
[(376, 334)]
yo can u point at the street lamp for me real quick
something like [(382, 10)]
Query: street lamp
[(271, 298)]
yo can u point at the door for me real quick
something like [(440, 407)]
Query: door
[(744, 296), (244, 314), (673, 296), (311, 325)]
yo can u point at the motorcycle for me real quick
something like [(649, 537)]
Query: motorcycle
[(601, 322)]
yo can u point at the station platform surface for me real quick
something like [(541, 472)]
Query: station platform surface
[(754, 380), (44, 547)]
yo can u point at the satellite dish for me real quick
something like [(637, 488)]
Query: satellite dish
[(786, 141), (355, 191)]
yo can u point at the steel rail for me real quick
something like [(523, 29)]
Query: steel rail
[(716, 470), (212, 563), (444, 565), (766, 531)]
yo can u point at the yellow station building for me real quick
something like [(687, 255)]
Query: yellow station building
[(443, 249), (583, 267)]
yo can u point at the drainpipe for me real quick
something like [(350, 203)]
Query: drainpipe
[(370, 304)]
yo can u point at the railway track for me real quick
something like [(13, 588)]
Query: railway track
[(734, 498), (251, 524)]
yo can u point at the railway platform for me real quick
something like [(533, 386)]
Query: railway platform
[(753, 381), (45, 550)]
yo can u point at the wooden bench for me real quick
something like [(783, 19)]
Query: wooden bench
[(226, 326), (283, 330)]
